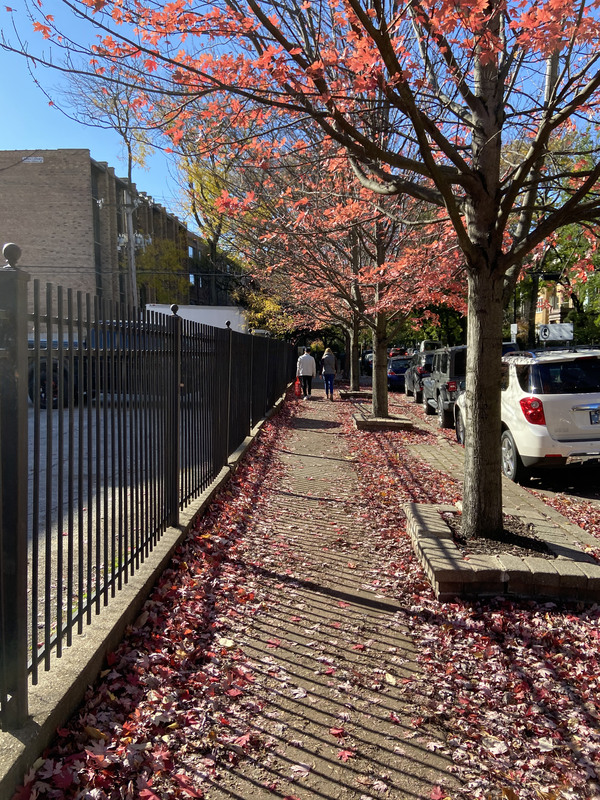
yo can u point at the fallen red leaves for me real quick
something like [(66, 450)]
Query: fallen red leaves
[(513, 688)]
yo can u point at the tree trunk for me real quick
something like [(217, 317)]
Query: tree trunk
[(353, 354), (482, 495), (380, 357)]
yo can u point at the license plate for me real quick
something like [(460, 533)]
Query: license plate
[(595, 417)]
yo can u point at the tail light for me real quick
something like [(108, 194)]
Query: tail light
[(533, 410), (452, 386), (422, 371)]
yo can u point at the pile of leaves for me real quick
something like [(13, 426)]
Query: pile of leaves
[(514, 687)]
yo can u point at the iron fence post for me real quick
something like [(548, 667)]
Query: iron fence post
[(13, 477), (228, 325), (175, 446)]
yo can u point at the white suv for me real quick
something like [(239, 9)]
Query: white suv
[(550, 410)]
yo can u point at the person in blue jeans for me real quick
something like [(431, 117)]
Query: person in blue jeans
[(329, 369)]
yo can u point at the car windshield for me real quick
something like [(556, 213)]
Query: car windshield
[(399, 363), (575, 376)]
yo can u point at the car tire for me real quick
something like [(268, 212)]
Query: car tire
[(429, 410), (418, 396), (512, 465), (444, 416), (460, 427), (47, 389)]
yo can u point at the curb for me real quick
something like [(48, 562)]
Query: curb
[(572, 576), (391, 423)]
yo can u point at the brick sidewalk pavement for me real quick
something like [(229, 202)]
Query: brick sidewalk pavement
[(332, 659)]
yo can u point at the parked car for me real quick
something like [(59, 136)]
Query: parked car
[(420, 365), (396, 367), (429, 344), (366, 362), (510, 347), (444, 383), (550, 410)]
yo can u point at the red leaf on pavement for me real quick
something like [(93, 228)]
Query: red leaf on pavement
[(148, 794), (234, 692), (337, 732), (344, 755), (64, 778), (273, 642), (187, 786), (243, 740), (358, 647)]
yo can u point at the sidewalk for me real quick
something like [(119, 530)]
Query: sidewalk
[(330, 657), (294, 650)]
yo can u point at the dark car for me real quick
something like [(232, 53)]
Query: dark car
[(366, 362), (445, 382), (420, 365), (396, 367)]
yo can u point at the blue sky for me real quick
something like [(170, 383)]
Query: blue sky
[(30, 123)]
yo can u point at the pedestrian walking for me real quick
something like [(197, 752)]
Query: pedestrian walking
[(329, 369), (306, 370)]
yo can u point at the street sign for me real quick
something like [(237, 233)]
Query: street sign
[(556, 332)]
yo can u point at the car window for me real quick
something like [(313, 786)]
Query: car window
[(399, 363), (460, 362), (576, 376), (523, 377)]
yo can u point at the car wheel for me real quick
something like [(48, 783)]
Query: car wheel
[(418, 396), (512, 465), (429, 410), (444, 417), (47, 389), (460, 427)]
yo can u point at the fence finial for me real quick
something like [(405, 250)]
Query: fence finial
[(12, 253)]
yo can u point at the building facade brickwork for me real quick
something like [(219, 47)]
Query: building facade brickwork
[(74, 220)]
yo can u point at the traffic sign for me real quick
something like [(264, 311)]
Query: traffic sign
[(556, 332)]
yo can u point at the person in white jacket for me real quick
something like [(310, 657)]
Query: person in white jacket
[(306, 370)]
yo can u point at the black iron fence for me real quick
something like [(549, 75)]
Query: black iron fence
[(111, 423)]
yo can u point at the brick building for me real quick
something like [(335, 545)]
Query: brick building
[(74, 221)]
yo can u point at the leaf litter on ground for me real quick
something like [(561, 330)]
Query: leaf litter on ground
[(511, 688)]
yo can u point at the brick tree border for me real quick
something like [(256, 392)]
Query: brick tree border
[(572, 576)]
